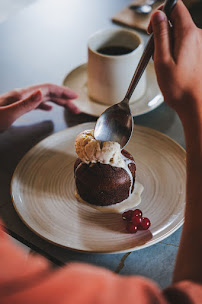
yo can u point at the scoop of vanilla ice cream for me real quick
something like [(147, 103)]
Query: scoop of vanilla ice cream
[(89, 150)]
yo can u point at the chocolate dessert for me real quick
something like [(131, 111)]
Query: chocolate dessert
[(104, 174), (103, 184)]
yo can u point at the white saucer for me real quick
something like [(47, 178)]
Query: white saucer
[(77, 81)]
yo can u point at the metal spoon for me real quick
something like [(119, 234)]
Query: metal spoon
[(116, 122), (145, 8)]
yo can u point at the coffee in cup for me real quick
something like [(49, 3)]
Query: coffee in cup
[(113, 55)]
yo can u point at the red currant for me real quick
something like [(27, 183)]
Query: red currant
[(137, 212), (145, 224), (131, 228), (127, 215), (136, 220)]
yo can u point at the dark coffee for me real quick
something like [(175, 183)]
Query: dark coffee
[(114, 50)]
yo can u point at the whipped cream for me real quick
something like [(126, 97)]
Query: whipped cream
[(90, 150)]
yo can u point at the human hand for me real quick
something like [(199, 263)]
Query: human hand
[(178, 59), (20, 101)]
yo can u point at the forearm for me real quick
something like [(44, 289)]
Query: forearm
[(189, 258), (178, 59)]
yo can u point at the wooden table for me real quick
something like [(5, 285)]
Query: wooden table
[(43, 43)]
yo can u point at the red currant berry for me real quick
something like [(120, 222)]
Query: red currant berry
[(127, 215), (145, 224), (137, 212), (131, 228), (136, 220)]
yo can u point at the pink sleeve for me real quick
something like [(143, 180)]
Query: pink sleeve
[(32, 281)]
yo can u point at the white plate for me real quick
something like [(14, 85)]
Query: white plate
[(77, 81), (43, 193)]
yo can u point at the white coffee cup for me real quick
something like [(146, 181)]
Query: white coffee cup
[(109, 76)]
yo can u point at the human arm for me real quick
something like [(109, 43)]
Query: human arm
[(178, 65), (20, 101)]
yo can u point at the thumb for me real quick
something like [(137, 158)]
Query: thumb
[(10, 113), (25, 105), (160, 27)]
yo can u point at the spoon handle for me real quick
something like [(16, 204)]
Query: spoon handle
[(148, 52)]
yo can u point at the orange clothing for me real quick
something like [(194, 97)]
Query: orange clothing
[(32, 281)]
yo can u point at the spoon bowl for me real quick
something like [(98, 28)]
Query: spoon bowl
[(115, 124), (142, 9)]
